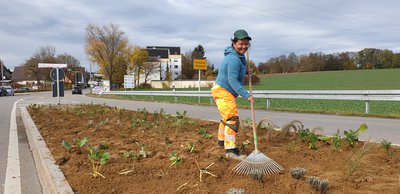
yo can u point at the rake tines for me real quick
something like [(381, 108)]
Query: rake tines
[(257, 161)]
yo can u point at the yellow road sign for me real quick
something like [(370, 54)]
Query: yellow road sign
[(200, 64)]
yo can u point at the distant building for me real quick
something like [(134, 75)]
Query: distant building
[(169, 57), (5, 72), (22, 76)]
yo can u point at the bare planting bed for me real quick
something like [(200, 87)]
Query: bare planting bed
[(103, 149)]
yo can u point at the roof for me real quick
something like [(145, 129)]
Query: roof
[(158, 53), (173, 50), (22, 74)]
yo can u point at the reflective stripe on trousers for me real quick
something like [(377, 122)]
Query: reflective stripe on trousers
[(226, 104)]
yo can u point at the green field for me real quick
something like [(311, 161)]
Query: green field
[(383, 79), (380, 79)]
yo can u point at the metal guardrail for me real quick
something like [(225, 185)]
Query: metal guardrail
[(361, 95)]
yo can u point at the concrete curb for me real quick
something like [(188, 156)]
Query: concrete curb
[(50, 175)]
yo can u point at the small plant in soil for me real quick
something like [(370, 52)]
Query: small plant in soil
[(130, 154), (312, 141), (336, 142), (204, 134), (175, 159), (191, 147), (318, 184), (297, 172), (292, 147), (78, 143), (236, 191), (303, 134), (67, 145), (353, 162), (257, 174), (387, 145), (352, 136), (293, 126), (180, 120), (81, 142), (98, 158), (267, 124), (143, 150)]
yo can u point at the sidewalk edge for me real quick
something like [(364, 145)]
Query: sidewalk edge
[(50, 175)]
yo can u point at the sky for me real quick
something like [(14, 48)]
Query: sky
[(276, 27)]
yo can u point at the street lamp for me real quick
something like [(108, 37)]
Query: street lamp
[(2, 76)]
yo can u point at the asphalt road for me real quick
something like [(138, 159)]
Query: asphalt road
[(378, 128)]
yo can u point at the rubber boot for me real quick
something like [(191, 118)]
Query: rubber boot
[(234, 154)]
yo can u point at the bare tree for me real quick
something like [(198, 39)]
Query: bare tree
[(45, 54)]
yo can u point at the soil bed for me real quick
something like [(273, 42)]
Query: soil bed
[(140, 145)]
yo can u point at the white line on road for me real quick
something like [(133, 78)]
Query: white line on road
[(13, 174)]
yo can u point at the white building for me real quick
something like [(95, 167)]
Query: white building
[(170, 58)]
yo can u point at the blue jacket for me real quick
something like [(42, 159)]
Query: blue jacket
[(231, 73)]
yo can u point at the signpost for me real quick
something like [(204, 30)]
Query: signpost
[(200, 64), (129, 81), (56, 75)]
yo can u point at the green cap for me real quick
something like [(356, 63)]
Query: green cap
[(241, 34)]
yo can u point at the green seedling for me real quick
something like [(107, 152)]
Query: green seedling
[(175, 158), (143, 151), (67, 145), (81, 142), (191, 147), (98, 158), (312, 141), (204, 134), (387, 145), (303, 134), (336, 142), (352, 136), (130, 154)]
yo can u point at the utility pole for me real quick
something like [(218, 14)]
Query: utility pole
[(2, 77)]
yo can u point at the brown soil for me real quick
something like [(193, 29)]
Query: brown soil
[(124, 130)]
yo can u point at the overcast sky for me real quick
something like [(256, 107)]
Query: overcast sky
[(278, 27)]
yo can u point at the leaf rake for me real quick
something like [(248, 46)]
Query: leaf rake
[(256, 160)]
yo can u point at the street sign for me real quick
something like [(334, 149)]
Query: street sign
[(200, 64), (51, 65), (129, 81), (53, 74), (60, 86)]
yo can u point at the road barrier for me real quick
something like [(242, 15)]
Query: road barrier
[(360, 95)]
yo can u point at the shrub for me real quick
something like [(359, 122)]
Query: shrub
[(254, 79)]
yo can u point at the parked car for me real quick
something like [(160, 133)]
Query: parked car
[(10, 90), (76, 90), (3, 91), (23, 89)]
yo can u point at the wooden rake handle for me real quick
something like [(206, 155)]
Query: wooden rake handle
[(253, 118)]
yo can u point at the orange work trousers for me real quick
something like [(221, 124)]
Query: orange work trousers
[(226, 104)]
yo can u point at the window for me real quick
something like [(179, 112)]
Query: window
[(175, 60), (176, 66)]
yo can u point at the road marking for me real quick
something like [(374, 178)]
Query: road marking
[(13, 174)]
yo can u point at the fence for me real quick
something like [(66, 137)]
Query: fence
[(361, 95)]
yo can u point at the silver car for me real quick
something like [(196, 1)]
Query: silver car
[(10, 90)]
